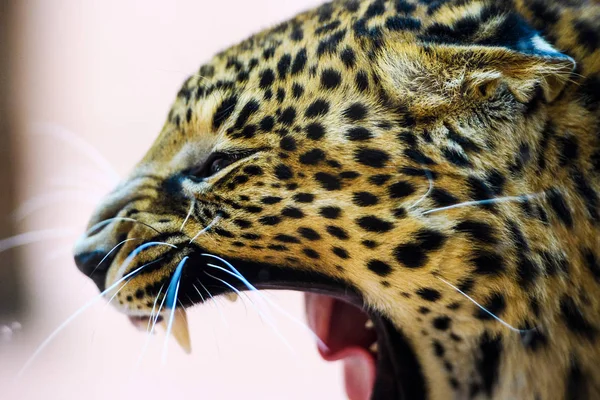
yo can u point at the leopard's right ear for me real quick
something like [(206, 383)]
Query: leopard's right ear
[(448, 73)]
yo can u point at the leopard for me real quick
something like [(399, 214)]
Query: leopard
[(426, 171)]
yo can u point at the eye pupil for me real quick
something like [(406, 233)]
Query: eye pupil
[(218, 165)]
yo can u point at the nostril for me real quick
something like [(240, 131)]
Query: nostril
[(94, 264)]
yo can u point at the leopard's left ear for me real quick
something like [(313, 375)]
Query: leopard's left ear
[(447, 69)]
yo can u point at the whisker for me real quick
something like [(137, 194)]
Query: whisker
[(137, 251), (36, 203), (26, 238), (269, 321), (506, 199), (73, 316), (192, 205), (102, 224), (430, 179), (172, 291), (149, 332), (214, 221), (78, 144), (110, 252), (216, 303), (506, 324), (239, 276)]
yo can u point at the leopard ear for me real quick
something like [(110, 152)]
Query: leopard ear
[(445, 70)]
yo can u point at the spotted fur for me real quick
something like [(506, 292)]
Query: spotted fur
[(357, 129)]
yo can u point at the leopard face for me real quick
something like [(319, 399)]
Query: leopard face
[(430, 167)]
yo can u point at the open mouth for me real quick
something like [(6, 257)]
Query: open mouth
[(379, 362)]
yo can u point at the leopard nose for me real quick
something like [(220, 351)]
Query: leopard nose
[(94, 264)]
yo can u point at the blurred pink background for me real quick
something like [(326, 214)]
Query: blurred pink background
[(106, 71)]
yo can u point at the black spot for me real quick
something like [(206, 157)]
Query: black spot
[(487, 263), (588, 195), (277, 247), (286, 238), (254, 209), (397, 23), (456, 157), (327, 27), (251, 236), (411, 255), (349, 175), (304, 197), (495, 304), (299, 62), (311, 253), (480, 190), (429, 239), (266, 124), (466, 285), (442, 323), (315, 131), (376, 8), (370, 244), (330, 79), (222, 232), (560, 207), (242, 223), (297, 90), (533, 338), (309, 233), (312, 157), (328, 181), (253, 170), (288, 143), (330, 212), (489, 363), (337, 232), (424, 310), (371, 157), (288, 116), (283, 66), (329, 45), (267, 77), (364, 199), (429, 294), (359, 134), (271, 200), (297, 34), (348, 57), (568, 149), (577, 385), (592, 263), (496, 182), (355, 112), (379, 180), (318, 108), (250, 108), (404, 7), (575, 320), (518, 237), (379, 267), (270, 220), (478, 231), (292, 212), (340, 252), (400, 190), (224, 111), (283, 172), (399, 212), (442, 198), (587, 34), (362, 81), (372, 223)]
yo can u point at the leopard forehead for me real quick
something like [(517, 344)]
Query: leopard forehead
[(436, 155)]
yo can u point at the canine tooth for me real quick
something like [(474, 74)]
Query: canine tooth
[(180, 329), (232, 297), (369, 324), (373, 348)]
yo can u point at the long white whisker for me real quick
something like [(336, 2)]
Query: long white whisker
[(137, 251), (36, 203), (59, 329), (79, 144), (269, 321), (26, 238), (109, 220), (214, 221), (271, 303), (487, 201), (172, 292), (110, 252), (192, 205), (216, 303), (506, 324), (430, 179)]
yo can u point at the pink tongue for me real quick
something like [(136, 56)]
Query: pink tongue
[(341, 327)]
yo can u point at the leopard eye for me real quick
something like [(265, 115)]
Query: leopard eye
[(214, 164)]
